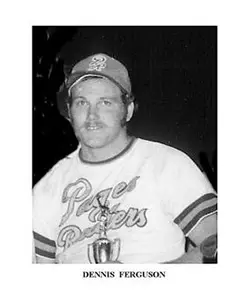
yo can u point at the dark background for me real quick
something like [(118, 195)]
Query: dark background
[(173, 70)]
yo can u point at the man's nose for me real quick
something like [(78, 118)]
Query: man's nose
[(93, 112)]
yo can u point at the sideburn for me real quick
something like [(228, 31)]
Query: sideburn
[(124, 119)]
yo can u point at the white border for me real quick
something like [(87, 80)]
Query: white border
[(183, 281)]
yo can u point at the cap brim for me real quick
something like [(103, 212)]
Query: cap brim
[(81, 77), (77, 77)]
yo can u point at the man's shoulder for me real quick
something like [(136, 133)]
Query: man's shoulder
[(163, 156), (57, 171), (160, 149)]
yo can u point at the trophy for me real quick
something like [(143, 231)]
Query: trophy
[(103, 249)]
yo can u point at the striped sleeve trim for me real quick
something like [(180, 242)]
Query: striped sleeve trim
[(43, 253), (195, 212), (206, 212), (44, 246), (43, 239)]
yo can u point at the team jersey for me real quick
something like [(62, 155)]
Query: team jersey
[(156, 196)]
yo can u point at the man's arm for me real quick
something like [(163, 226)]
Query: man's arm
[(38, 259), (43, 260), (204, 237), (44, 249)]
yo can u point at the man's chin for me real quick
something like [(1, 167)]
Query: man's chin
[(94, 144)]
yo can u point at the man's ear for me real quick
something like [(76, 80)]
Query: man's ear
[(69, 113), (130, 111)]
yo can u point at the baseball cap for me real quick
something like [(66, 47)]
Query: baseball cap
[(97, 65)]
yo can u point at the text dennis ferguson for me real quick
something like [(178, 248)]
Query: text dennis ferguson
[(124, 274)]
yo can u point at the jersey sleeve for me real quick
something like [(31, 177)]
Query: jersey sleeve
[(190, 197), (44, 214)]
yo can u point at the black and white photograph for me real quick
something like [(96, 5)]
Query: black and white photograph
[(124, 150), (121, 124)]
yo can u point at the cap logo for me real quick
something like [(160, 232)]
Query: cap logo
[(97, 63)]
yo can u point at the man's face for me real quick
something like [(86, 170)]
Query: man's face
[(97, 112)]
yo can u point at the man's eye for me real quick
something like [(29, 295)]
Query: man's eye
[(81, 102), (107, 102)]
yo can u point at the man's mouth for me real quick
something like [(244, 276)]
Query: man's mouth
[(92, 127)]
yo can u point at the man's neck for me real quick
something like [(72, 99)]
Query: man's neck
[(105, 153)]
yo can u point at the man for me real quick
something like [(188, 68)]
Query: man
[(117, 198)]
